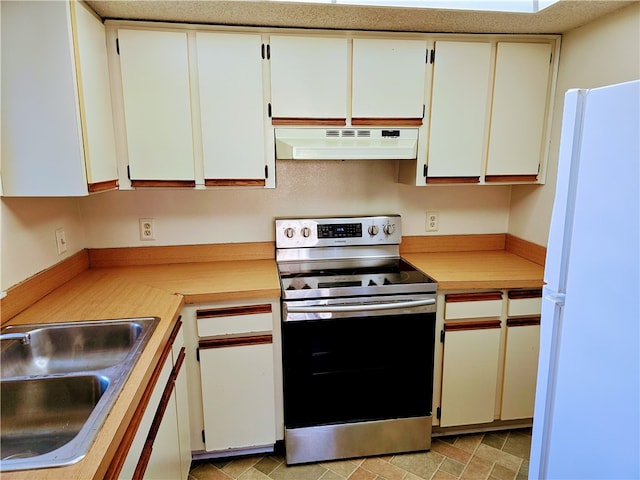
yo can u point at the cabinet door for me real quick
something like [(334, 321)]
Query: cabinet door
[(519, 110), (164, 461), (157, 106), (520, 368), (231, 108), (238, 402), (95, 99), (309, 78), (42, 152), (388, 80), (470, 373), (459, 111)]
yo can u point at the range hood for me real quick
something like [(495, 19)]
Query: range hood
[(346, 143)]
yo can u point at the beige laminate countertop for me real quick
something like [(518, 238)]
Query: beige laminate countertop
[(162, 290), (497, 269), (141, 291)]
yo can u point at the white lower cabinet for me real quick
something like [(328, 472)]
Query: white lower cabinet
[(161, 447), (235, 377), (520, 370), (470, 373), (488, 356)]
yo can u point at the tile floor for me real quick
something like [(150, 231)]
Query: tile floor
[(502, 455)]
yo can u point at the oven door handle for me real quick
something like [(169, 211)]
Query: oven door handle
[(360, 307)]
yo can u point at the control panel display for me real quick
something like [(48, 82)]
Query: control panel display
[(341, 230)]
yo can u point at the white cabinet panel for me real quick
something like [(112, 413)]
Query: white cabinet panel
[(519, 109), (235, 324), (95, 98), (459, 109), (238, 402), (164, 462), (157, 105), (524, 306), (520, 371), (388, 79), (231, 105), (57, 128), (309, 77), (469, 377)]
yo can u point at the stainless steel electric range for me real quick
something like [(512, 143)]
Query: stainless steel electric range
[(358, 327)]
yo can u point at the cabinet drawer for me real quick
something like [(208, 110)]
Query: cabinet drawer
[(524, 302), (234, 320), (473, 305)]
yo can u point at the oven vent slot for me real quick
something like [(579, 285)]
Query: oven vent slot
[(364, 133), (348, 133), (332, 133)]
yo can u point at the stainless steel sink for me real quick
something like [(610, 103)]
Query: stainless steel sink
[(59, 386)]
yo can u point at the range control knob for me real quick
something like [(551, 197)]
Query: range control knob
[(373, 230), (306, 232), (289, 232), (389, 228)]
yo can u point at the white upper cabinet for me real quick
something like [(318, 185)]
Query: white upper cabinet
[(459, 111), (309, 78), (154, 68), (57, 125), (519, 110), (232, 108), (388, 79)]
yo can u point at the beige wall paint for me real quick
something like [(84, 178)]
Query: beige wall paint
[(303, 189), (603, 52), (28, 235)]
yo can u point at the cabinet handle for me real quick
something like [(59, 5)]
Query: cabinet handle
[(239, 341), (232, 311), (523, 321), (477, 325), (472, 297), (518, 294)]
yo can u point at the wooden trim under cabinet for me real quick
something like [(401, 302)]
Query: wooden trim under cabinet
[(235, 182), (472, 325), (472, 297), (231, 311), (295, 121), (103, 186), (383, 122), (523, 321), (163, 183), (511, 178), (443, 180)]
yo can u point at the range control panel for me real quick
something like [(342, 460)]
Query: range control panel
[(338, 231)]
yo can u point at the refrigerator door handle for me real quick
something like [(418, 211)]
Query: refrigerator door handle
[(555, 297)]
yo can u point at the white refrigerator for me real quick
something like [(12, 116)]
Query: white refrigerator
[(586, 421)]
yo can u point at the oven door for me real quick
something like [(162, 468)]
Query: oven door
[(357, 359)]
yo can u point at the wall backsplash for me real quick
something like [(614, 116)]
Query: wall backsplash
[(304, 188)]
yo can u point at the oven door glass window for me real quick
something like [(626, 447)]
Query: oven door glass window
[(358, 369)]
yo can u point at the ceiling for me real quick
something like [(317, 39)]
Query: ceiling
[(558, 18)]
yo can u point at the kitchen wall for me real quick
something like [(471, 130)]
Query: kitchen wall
[(603, 52)]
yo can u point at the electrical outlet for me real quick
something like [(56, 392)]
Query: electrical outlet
[(147, 229), (433, 220), (61, 241)]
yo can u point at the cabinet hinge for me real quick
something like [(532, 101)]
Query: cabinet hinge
[(551, 57), (425, 169), (128, 172), (426, 60), (438, 414), (441, 336), (433, 55), (269, 110), (198, 354), (424, 109), (266, 171), (118, 46), (204, 441), (266, 51)]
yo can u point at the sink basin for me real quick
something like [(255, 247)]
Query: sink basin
[(68, 347), (44, 414), (57, 389)]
